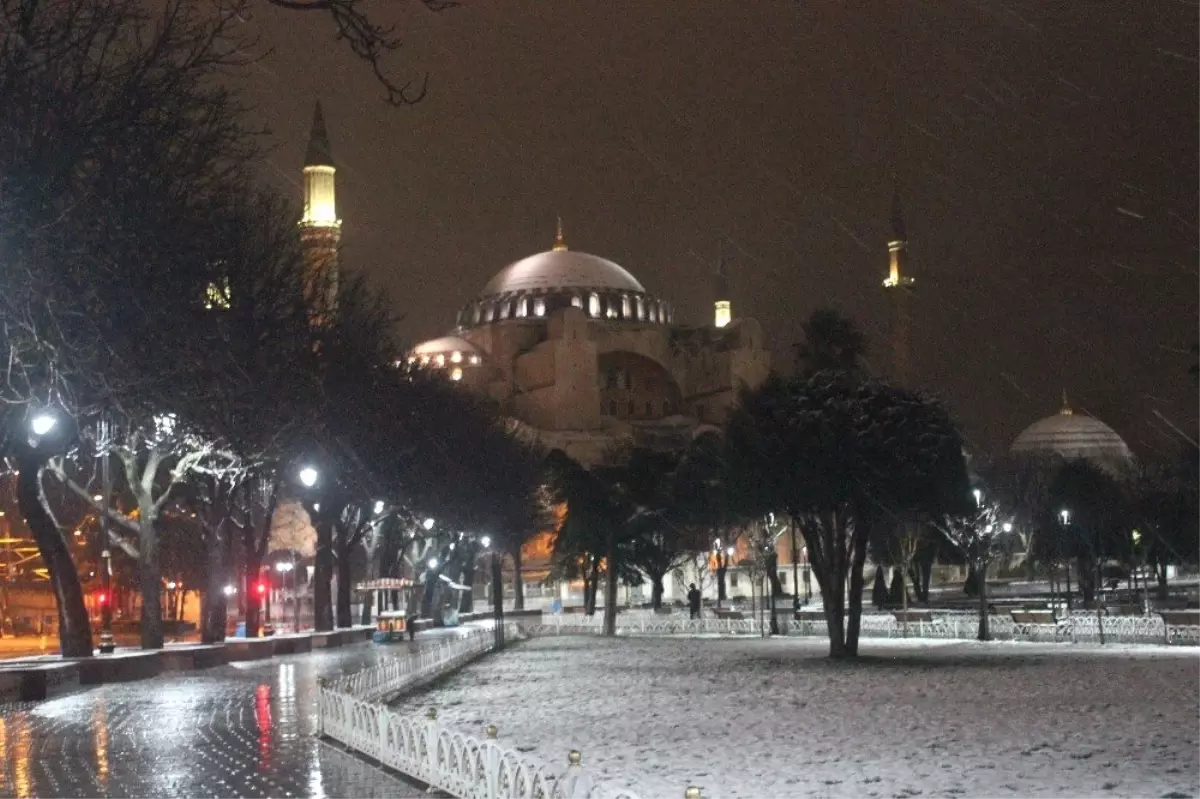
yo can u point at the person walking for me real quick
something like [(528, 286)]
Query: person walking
[(693, 598)]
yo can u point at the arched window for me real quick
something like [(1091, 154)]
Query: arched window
[(539, 306), (475, 315), (641, 309), (523, 308), (610, 307), (490, 313), (594, 304), (625, 307), (505, 309)]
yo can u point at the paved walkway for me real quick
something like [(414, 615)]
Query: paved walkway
[(244, 729)]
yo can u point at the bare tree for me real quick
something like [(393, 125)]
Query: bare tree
[(369, 40), (982, 537)]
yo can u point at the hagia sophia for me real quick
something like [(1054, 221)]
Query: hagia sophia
[(575, 349)]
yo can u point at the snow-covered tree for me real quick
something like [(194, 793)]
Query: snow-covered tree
[(982, 535)]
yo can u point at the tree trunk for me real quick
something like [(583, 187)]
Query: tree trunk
[(342, 564), (587, 593), (897, 594), (1160, 573), (984, 632), (466, 603), (656, 591), (74, 630), (879, 589), (364, 616), (150, 579), (773, 574), (854, 623), (1087, 581), (590, 607), (721, 570), (212, 629), (428, 593), (971, 586), (922, 574), (518, 583), (498, 600), (322, 576), (610, 586)]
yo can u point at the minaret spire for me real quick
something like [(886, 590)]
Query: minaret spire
[(1066, 406), (320, 228), (722, 308), (898, 285), (560, 243)]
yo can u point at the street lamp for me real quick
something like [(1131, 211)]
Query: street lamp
[(378, 507), (978, 497), (229, 590), (309, 476), (432, 563), (1006, 527), (486, 541), (1065, 515), (427, 524), (42, 423)]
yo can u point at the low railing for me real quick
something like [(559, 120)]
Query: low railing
[(396, 675), (352, 710), (951, 625)]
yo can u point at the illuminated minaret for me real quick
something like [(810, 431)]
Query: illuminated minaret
[(898, 286), (320, 228), (722, 309), (560, 243)]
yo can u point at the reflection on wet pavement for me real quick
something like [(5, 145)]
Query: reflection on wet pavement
[(244, 729)]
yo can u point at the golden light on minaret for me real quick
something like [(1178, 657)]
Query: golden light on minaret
[(722, 306), (320, 228)]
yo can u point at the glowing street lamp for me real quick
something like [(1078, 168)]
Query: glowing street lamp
[(432, 563), (1007, 527), (427, 524), (42, 423), (729, 551), (486, 541), (978, 497), (229, 590), (378, 507), (1065, 515), (308, 476)]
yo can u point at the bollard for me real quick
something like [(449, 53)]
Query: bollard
[(431, 714), (574, 757), (692, 792), (491, 732)]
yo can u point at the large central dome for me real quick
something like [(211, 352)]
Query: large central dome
[(561, 269), (535, 287)]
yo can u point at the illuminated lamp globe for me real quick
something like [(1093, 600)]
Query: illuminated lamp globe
[(308, 476), (427, 524), (42, 424)]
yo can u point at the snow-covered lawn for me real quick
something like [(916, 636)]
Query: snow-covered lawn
[(762, 719)]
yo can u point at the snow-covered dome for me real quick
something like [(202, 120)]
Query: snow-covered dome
[(445, 345), (561, 269), (1074, 436), (534, 288)]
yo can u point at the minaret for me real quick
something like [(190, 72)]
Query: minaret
[(898, 285), (320, 228), (560, 243), (722, 309)]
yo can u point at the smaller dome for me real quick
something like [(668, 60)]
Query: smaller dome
[(1073, 436), (446, 345)]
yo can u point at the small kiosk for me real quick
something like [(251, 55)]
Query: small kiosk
[(389, 604)]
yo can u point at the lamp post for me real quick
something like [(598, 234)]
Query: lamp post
[(107, 644), (1064, 516), (283, 567)]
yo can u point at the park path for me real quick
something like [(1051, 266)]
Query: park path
[(244, 729)]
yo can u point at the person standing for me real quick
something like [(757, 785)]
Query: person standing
[(693, 598)]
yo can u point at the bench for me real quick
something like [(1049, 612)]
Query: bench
[(1181, 623), (734, 615), (1027, 622)]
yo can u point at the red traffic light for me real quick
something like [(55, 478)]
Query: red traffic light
[(260, 588), (102, 597)]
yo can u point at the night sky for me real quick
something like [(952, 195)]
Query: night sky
[(1046, 155)]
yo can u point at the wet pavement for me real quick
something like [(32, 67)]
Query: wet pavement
[(244, 729)]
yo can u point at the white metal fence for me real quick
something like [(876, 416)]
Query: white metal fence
[(1082, 627), (352, 711)]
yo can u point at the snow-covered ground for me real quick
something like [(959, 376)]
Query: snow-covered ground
[(760, 719)]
